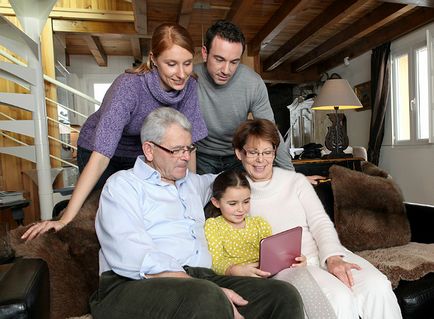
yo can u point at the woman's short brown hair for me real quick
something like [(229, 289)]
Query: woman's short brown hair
[(258, 128)]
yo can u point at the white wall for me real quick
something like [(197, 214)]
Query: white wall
[(412, 167), (357, 72)]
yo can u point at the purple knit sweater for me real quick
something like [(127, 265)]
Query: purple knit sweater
[(115, 128)]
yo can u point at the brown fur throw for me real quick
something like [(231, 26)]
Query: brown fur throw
[(373, 170), (408, 262), (369, 212), (72, 258)]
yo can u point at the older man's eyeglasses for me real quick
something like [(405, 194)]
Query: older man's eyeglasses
[(256, 153), (177, 151)]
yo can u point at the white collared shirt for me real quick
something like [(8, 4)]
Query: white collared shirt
[(148, 226)]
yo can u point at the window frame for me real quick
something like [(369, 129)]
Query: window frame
[(411, 50)]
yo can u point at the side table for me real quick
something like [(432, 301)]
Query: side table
[(321, 166), (17, 209)]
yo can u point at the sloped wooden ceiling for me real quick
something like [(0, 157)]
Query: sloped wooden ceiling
[(291, 41)]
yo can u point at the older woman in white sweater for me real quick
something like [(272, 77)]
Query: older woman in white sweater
[(286, 199)]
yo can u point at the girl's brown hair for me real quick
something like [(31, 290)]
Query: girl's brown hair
[(164, 37), (229, 178)]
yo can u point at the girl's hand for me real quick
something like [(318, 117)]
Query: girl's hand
[(247, 270), (301, 261)]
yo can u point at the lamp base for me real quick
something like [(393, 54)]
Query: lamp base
[(336, 139)]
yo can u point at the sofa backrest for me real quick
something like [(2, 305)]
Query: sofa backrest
[(325, 194)]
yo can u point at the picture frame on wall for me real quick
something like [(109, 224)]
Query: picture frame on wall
[(363, 92)]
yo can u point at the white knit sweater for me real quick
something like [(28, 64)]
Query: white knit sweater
[(289, 200)]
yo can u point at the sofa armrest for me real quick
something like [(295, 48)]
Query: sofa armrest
[(421, 218), (24, 290)]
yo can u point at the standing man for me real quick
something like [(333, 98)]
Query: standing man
[(228, 91), (154, 259)]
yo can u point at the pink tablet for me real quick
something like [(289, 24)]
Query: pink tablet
[(278, 251)]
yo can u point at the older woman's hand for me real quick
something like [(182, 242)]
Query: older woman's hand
[(247, 270), (42, 227), (341, 269)]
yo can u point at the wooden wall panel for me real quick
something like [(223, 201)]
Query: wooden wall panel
[(12, 168)]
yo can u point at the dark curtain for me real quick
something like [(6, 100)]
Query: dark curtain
[(380, 91)]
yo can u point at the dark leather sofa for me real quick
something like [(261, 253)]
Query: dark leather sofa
[(24, 284), (24, 289)]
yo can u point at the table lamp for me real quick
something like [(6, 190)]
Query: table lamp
[(336, 94)]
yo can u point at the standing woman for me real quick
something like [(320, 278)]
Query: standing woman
[(110, 138)]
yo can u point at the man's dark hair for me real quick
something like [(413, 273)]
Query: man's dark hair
[(225, 30)]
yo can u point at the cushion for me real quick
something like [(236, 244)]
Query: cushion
[(373, 170), (72, 258), (408, 262), (369, 212)]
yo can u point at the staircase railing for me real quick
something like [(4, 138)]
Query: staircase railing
[(71, 110), (28, 75)]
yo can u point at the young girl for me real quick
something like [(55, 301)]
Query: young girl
[(233, 240)]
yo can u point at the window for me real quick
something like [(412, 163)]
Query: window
[(412, 100), (422, 92), (99, 90), (401, 98)]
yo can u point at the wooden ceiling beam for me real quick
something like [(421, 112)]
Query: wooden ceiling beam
[(93, 27), (370, 22), (419, 3), (284, 75), (185, 13), (96, 49), (136, 49), (418, 18), (79, 14), (239, 9), (140, 16), (286, 12), (332, 14)]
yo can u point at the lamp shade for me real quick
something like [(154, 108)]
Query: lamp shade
[(336, 94)]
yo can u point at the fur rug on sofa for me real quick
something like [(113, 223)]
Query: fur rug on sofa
[(408, 262), (72, 258)]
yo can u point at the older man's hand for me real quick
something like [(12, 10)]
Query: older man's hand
[(236, 300), (342, 269)]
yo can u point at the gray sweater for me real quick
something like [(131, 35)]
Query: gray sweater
[(224, 107)]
